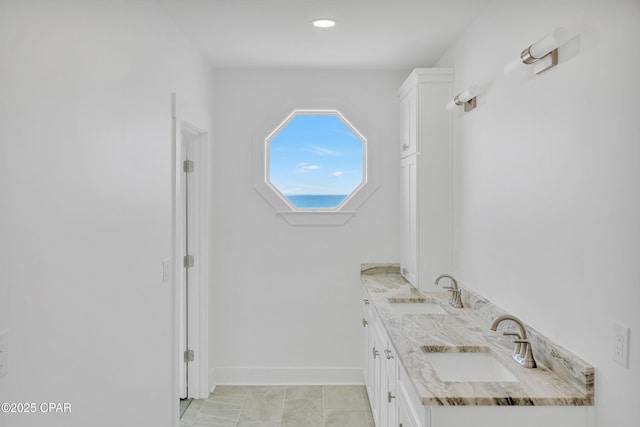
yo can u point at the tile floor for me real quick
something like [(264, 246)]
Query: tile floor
[(282, 406)]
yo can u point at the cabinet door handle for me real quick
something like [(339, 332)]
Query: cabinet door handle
[(404, 147), (389, 354), (364, 323), (390, 396), (366, 301), (375, 352)]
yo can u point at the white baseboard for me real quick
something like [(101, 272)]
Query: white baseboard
[(212, 379), (287, 376)]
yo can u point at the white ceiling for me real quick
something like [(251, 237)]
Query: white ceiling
[(370, 35)]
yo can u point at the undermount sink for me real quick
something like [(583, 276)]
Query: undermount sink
[(469, 367), (418, 308)]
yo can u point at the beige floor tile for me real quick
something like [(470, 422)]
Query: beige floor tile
[(343, 397), (230, 390), (303, 392), (222, 414), (263, 404), (223, 402), (209, 421), (345, 417), (189, 415), (258, 424), (286, 406), (303, 413)]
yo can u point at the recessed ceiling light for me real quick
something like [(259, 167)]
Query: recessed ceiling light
[(323, 23)]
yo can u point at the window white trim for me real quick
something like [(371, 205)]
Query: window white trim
[(297, 216)]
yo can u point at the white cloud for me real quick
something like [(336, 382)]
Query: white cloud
[(306, 167), (337, 173)]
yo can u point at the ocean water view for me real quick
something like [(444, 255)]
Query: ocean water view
[(316, 201)]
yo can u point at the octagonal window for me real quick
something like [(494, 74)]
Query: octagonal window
[(316, 160)]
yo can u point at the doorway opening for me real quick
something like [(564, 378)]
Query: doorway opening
[(191, 247)]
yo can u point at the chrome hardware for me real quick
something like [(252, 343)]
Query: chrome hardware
[(366, 301), (389, 354), (390, 396), (364, 323), (375, 352), (525, 357), (455, 300), (518, 344), (188, 261), (522, 353)]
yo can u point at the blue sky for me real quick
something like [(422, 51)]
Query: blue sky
[(315, 155)]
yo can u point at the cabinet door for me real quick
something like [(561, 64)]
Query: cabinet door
[(508, 416), (404, 414), (367, 344), (409, 219), (373, 365), (380, 378), (391, 375), (409, 124)]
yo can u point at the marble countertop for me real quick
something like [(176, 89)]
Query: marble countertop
[(561, 378)]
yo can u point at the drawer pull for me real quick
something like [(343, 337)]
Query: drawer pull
[(364, 323)]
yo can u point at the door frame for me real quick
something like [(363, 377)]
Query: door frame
[(196, 124)]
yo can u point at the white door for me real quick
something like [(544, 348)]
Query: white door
[(187, 244), (190, 250), (192, 244)]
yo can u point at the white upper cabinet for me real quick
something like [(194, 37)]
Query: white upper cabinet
[(426, 181), (408, 128)]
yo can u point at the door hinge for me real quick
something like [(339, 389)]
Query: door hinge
[(188, 356), (187, 166), (188, 261)]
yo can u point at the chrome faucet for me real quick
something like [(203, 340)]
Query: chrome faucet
[(455, 300), (522, 353)]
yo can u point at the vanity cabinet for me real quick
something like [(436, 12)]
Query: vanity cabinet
[(395, 402), (406, 387), (380, 369), (371, 358), (426, 176)]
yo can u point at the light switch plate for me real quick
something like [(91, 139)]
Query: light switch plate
[(4, 353), (621, 344)]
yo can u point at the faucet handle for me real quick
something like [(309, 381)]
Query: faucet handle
[(518, 344)]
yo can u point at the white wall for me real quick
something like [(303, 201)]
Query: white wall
[(86, 203), (287, 298), (548, 170)]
